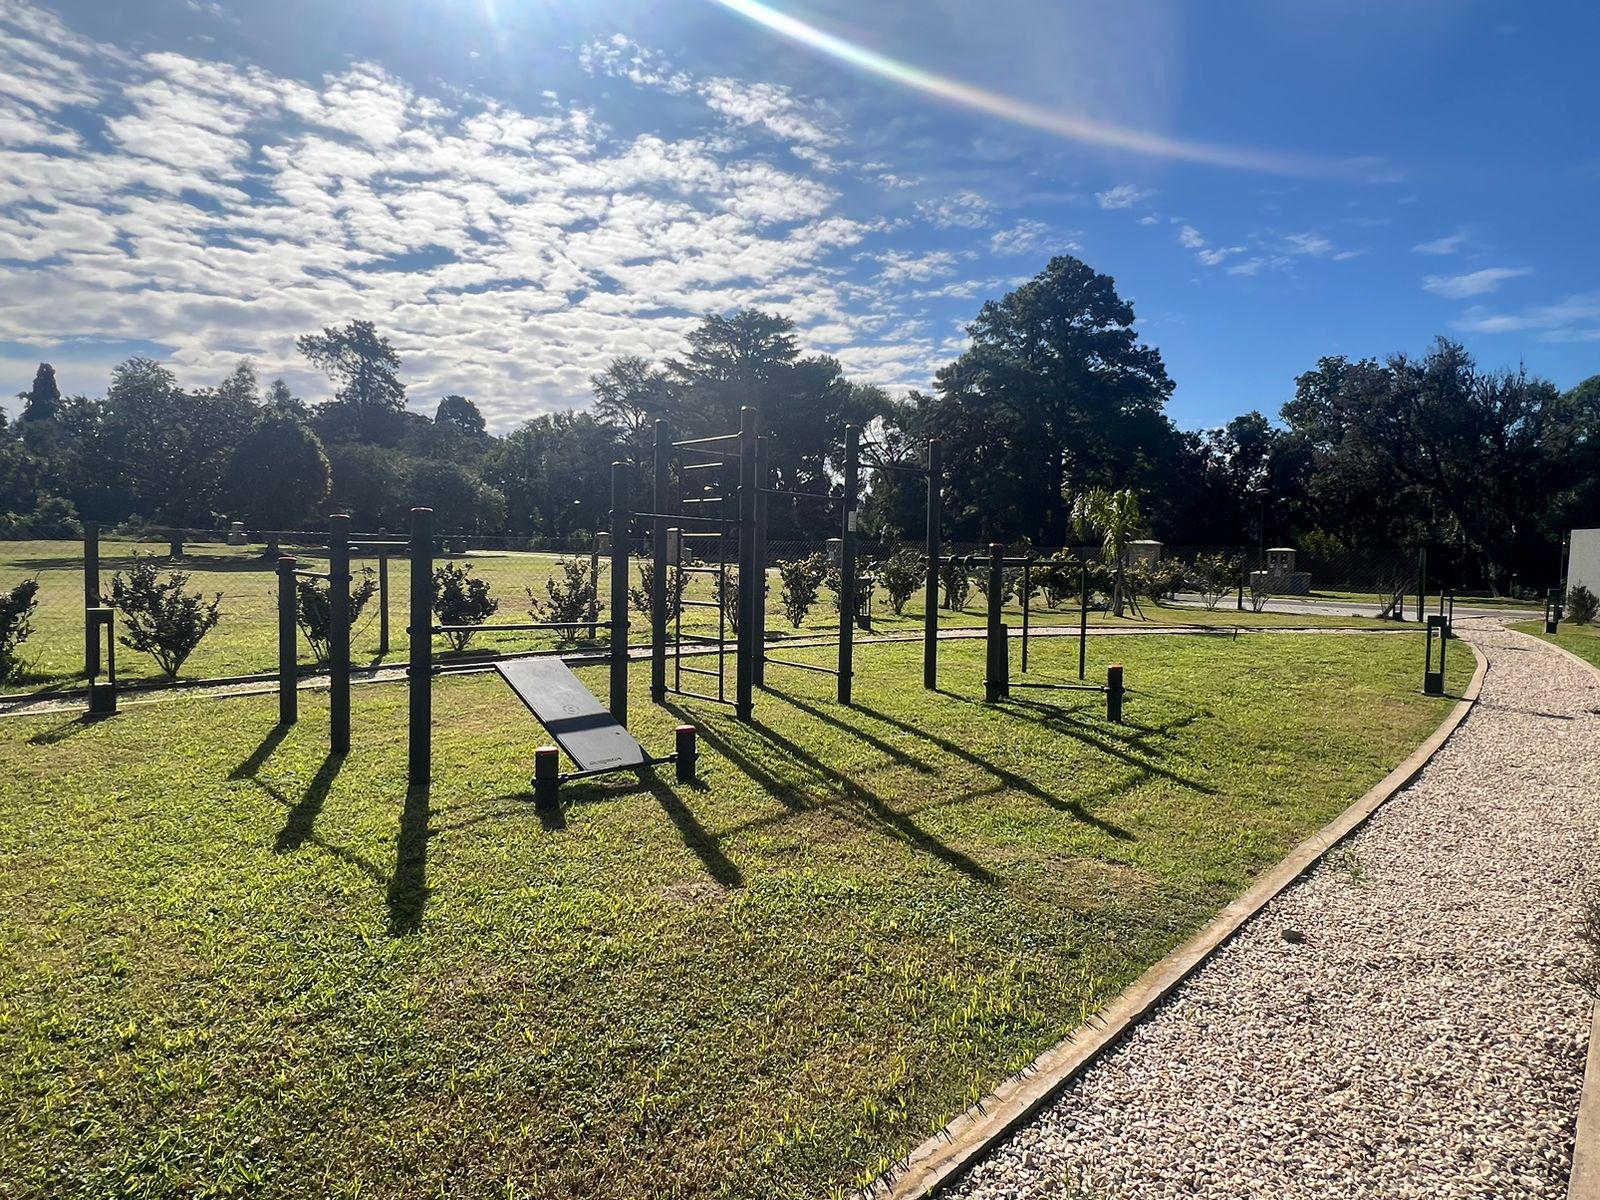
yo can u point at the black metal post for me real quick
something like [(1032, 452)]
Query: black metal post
[(1027, 586), (758, 602), (91, 599), (930, 593), (994, 682), (744, 664), (1552, 611), (1432, 679), (383, 596), (1422, 582), (1083, 622), (1114, 691), (419, 632), (847, 564), (594, 581), (103, 692), (658, 558), (547, 776), (621, 518), (687, 753), (288, 693), (339, 633)]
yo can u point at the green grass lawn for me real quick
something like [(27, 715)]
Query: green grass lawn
[(245, 641), (233, 966), (1582, 640)]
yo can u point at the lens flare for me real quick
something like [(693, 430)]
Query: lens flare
[(966, 95)]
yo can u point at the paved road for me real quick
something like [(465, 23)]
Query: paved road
[(1350, 608)]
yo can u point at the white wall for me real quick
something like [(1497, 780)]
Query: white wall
[(1584, 564)]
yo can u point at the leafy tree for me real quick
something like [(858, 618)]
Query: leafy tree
[(281, 399), (901, 574), (371, 483), (41, 402), (555, 474), (1115, 516), (278, 475), (631, 394), (241, 386), (366, 371), (314, 609), (16, 623), (570, 596), (460, 499), (799, 580), (461, 415), (461, 598), (159, 617)]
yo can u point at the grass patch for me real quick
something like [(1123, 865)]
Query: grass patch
[(1582, 640), (245, 640), (230, 965)]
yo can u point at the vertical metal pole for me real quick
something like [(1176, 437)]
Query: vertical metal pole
[(930, 594), (1114, 690), (847, 564), (339, 633), (621, 521), (658, 557), (993, 684), (288, 694), (419, 631), (1027, 586), (1083, 622), (91, 598), (594, 583), (1422, 582), (744, 666), (383, 596), (758, 602)]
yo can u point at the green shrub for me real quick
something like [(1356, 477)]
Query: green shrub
[(52, 517), (159, 617), (900, 576), (461, 598), (677, 584), (957, 586), (727, 593), (1582, 605), (799, 580), (1010, 580), (314, 609), (1214, 576), (16, 623), (1158, 581), (570, 596)]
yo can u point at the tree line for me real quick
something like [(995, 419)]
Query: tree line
[(1055, 396)]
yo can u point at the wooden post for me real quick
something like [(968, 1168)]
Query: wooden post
[(339, 633), (547, 777), (419, 633), (930, 592), (758, 602), (288, 692)]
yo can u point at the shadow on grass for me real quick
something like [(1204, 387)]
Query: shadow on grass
[(408, 886), (303, 815), (67, 729), (250, 766), (694, 834)]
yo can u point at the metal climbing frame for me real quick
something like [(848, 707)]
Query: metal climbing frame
[(933, 474), (1029, 565), (729, 503)]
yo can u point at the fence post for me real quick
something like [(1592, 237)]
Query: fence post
[(419, 634), (847, 565), (91, 599), (744, 665), (103, 693), (620, 521), (1027, 586), (1083, 621), (658, 557), (1422, 582), (383, 595), (758, 602), (994, 683), (339, 633), (594, 582), (930, 594), (288, 693)]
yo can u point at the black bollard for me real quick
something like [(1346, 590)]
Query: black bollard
[(547, 776), (1114, 691), (688, 753)]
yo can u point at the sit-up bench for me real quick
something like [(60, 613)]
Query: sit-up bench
[(591, 737)]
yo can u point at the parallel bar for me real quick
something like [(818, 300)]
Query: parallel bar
[(701, 603), (706, 671), (800, 666), (788, 495), (1061, 687), (660, 516), (701, 696)]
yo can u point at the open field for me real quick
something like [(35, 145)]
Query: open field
[(230, 965), (1582, 640), (245, 640)]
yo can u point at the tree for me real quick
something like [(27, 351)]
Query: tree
[(371, 483), (1055, 395), (281, 399), (159, 617), (733, 361), (241, 386), (1115, 516), (41, 402), (632, 394), (460, 414), (461, 501), (278, 475), (554, 474), (366, 370)]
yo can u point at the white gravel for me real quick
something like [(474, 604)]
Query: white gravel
[(1423, 1040)]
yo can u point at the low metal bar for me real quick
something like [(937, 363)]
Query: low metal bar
[(706, 671), (788, 495), (654, 516), (515, 626), (646, 765), (873, 466), (1059, 687), (706, 441), (800, 666), (702, 696), (311, 574), (700, 603)]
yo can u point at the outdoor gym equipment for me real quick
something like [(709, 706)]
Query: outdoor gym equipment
[(103, 692), (997, 682), (1437, 631), (1552, 610), (932, 472)]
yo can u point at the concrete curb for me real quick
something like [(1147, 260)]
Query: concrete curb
[(949, 1153), (1585, 1181)]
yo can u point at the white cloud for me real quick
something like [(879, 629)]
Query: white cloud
[(963, 210), (1473, 283), (1215, 256), (1124, 195), (1313, 244), (1449, 244), (1028, 236), (900, 266), (1190, 238), (1575, 319), (1150, 219)]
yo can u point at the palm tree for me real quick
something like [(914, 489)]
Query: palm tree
[(1115, 516)]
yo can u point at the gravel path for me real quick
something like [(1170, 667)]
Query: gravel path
[(1400, 1022)]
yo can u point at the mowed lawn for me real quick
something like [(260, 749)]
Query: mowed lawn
[(245, 640), (1582, 640), (233, 966)]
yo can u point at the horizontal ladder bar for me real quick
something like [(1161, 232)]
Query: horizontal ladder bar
[(516, 626), (706, 441), (798, 666), (701, 696)]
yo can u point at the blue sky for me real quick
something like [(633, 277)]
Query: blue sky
[(518, 190)]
